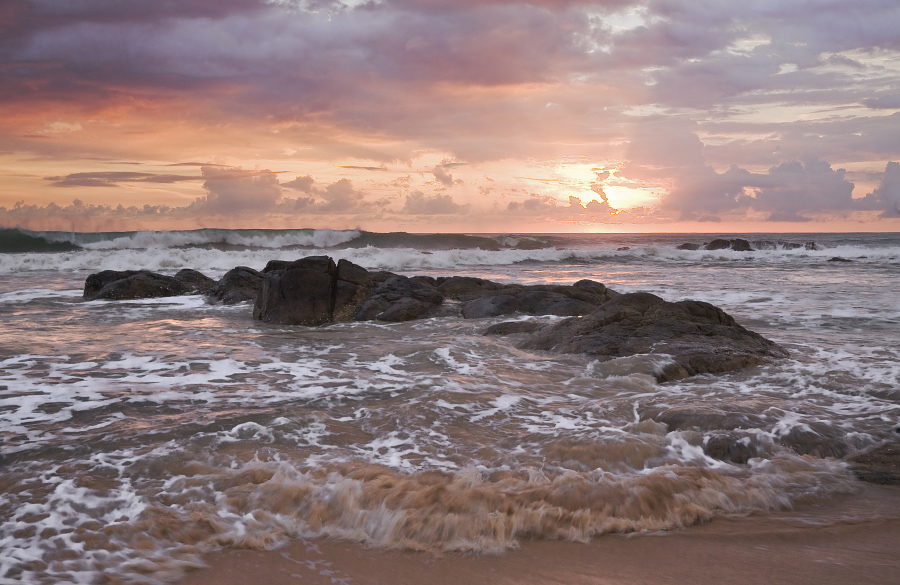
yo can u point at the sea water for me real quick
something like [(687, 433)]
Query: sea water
[(135, 436)]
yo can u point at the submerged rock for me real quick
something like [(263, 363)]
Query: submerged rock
[(142, 284), (699, 337), (878, 465), (513, 327)]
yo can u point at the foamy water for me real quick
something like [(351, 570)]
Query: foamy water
[(138, 435)]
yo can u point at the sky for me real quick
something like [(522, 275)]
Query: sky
[(451, 115)]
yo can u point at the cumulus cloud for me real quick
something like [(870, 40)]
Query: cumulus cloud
[(886, 197), (443, 176), (231, 190), (417, 203), (548, 207)]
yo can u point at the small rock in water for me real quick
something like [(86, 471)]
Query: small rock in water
[(142, 284), (239, 285), (878, 465), (839, 259)]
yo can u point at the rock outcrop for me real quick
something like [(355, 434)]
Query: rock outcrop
[(736, 244), (699, 337), (312, 291), (142, 284)]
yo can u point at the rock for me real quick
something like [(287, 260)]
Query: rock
[(413, 298), (688, 246), (731, 447), (878, 465), (513, 327), (311, 291), (458, 286), (297, 295), (699, 337), (239, 285), (839, 259), (95, 282), (737, 244), (565, 301), (492, 306), (196, 281), (623, 248), (700, 418), (132, 284), (817, 439)]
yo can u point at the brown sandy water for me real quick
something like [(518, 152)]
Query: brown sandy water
[(851, 539)]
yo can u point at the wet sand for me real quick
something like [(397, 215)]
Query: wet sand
[(852, 539)]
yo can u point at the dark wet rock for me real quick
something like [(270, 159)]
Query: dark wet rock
[(195, 280), (312, 291), (142, 284), (737, 244), (623, 249), (406, 309), (815, 439), (878, 465), (459, 286), (699, 337), (839, 259), (700, 418), (513, 327), (132, 284), (95, 282), (688, 246), (239, 285), (581, 298), (299, 293), (413, 298), (731, 447)]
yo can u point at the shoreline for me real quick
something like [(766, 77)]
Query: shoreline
[(850, 538)]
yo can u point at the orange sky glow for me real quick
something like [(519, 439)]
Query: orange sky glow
[(432, 116)]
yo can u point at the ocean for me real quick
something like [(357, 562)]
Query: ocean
[(138, 437)]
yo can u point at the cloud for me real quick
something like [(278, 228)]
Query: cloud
[(886, 197), (417, 203), (700, 98), (231, 190), (444, 178), (112, 179), (545, 206)]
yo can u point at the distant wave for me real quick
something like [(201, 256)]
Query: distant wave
[(18, 240), (15, 241)]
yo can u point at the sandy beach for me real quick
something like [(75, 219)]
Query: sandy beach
[(852, 539)]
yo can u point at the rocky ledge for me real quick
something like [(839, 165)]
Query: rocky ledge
[(693, 337)]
